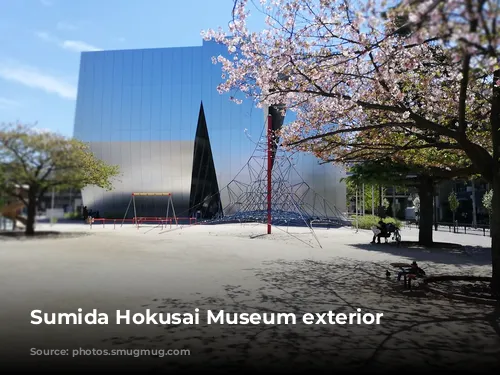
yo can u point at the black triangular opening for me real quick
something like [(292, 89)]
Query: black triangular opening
[(204, 198)]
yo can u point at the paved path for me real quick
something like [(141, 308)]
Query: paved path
[(233, 267)]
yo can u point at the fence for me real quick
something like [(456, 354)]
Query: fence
[(159, 221), (457, 227)]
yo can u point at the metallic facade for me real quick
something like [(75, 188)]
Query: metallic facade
[(143, 109)]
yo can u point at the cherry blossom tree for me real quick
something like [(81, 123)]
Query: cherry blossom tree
[(359, 72)]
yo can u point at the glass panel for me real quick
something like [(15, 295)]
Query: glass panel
[(116, 100)]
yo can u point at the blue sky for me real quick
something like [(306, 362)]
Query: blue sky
[(42, 39)]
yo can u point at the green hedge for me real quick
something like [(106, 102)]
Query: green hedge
[(368, 221), (73, 215)]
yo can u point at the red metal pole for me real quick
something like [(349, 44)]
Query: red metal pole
[(269, 170)]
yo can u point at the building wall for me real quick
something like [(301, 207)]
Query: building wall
[(463, 189), (140, 109)]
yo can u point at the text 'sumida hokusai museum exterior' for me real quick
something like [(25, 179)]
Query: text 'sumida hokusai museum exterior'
[(158, 115)]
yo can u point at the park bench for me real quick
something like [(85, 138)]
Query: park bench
[(392, 231), (408, 274)]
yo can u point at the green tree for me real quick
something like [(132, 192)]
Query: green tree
[(454, 204), (387, 171), (369, 199), (416, 204), (34, 161), (488, 204), (487, 201)]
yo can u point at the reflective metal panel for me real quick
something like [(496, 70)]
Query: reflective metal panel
[(140, 109)]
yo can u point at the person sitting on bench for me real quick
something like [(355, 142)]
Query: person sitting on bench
[(380, 231), (413, 270)]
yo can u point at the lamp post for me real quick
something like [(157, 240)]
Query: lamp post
[(52, 207), (373, 200), (363, 197), (394, 201), (357, 226), (474, 209), (269, 170)]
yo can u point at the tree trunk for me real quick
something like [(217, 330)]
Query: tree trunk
[(453, 219), (30, 221), (436, 212), (495, 218), (426, 194), (495, 235), (489, 222), (474, 208)]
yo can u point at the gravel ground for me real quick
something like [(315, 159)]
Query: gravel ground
[(237, 269)]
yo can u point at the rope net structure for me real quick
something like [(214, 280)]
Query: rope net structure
[(151, 194), (293, 202)]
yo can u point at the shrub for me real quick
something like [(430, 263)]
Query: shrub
[(453, 202), (72, 215), (368, 221), (487, 200)]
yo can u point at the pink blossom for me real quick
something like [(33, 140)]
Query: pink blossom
[(323, 59)]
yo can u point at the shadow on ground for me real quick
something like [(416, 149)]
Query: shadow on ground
[(20, 235), (417, 330), (446, 254)]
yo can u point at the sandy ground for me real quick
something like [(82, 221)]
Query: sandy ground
[(239, 269)]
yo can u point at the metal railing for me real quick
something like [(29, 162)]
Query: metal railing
[(456, 227), (159, 221)]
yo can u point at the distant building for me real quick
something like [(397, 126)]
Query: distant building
[(464, 189)]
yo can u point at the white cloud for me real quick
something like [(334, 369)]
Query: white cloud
[(44, 36), (78, 46), (6, 103), (32, 77), (47, 3), (70, 45), (66, 26)]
